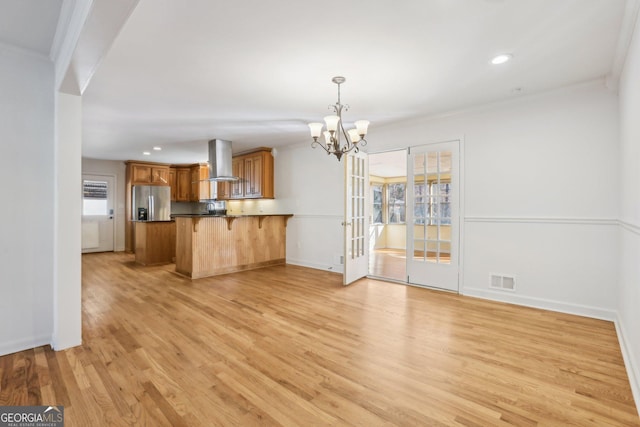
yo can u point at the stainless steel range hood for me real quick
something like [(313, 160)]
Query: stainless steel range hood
[(220, 161)]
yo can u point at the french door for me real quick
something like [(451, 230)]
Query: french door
[(97, 213), (356, 217), (433, 204)]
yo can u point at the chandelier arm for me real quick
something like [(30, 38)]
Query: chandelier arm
[(347, 142), (314, 144)]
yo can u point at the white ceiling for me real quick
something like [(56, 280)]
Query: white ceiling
[(390, 164), (29, 24), (256, 72)]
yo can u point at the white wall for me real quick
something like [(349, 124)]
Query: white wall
[(117, 169), (310, 185), (27, 213), (629, 263), (396, 236), (67, 301), (540, 196)]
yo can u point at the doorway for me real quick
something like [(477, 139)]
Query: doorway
[(387, 230), (414, 231), (433, 212), (97, 213)]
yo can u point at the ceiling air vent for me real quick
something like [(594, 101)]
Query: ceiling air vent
[(506, 283)]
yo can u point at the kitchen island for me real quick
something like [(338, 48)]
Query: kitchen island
[(155, 242), (208, 245)]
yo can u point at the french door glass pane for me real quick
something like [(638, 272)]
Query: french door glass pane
[(356, 236), (432, 206)]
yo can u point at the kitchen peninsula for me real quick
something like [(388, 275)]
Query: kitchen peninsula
[(208, 245)]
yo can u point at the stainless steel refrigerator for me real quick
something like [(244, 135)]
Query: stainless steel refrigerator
[(151, 203)]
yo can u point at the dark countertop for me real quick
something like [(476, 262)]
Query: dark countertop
[(224, 216), (164, 220)]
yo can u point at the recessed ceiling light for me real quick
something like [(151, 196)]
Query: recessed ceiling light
[(501, 59), (146, 153), (157, 148)]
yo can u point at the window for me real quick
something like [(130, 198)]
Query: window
[(376, 211), (421, 208), (396, 203), (440, 198), (94, 200)]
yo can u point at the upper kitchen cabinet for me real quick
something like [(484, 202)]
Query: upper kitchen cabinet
[(236, 188), (183, 184), (173, 183), (200, 184), (223, 190), (148, 174), (258, 175), (255, 170)]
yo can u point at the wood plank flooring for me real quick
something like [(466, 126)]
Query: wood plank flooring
[(390, 264), (290, 346)]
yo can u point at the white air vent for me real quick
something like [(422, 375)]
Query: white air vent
[(502, 282)]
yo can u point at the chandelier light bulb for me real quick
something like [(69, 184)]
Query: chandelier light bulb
[(327, 138), (332, 123), (354, 136), (316, 130), (362, 126)]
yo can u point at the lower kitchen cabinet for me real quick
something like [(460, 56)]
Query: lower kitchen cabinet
[(155, 242)]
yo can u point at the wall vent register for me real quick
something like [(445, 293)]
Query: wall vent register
[(501, 282)]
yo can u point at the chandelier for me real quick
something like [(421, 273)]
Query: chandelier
[(354, 138)]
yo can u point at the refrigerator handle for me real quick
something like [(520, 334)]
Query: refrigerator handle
[(151, 209)]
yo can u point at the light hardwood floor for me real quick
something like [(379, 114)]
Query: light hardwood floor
[(389, 264), (290, 346)]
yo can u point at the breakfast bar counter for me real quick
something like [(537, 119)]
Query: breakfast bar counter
[(208, 245)]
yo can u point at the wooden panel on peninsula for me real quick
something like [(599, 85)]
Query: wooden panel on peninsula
[(213, 245)]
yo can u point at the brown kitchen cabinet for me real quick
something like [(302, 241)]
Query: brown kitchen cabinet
[(253, 185), (173, 183), (255, 170), (141, 173), (223, 190), (155, 242), (148, 174), (200, 184), (236, 190), (183, 184)]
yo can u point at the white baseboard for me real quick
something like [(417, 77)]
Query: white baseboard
[(545, 304), (325, 267), (630, 362), (62, 345), (24, 344)]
